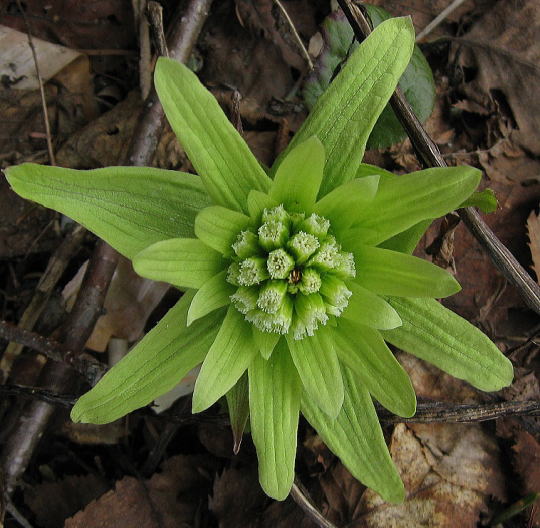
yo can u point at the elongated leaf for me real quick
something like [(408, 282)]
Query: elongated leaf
[(265, 341), (364, 351), (156, 365), (407, 240), (182, 262), (217, 151), (274, 407), (299, 176), (406, 200), (369, 309), (355, 436), (129, 207), (228, 358), (218, 227), (340, 205), (345, 114), (214, 294), (238, 405), (387, 272), (485, 200), (318, 367), (439, 336), (257, 202)]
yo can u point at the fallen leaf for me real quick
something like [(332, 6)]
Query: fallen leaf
[(533, 228), (527, 464), (503, 46)]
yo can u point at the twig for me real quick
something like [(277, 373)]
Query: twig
[(17, 515), (447, 11), (43, 395), (52, 159), (295, 33), (463, 413), (429, 154), (181, 45), (54, 270), (300, 495), (85, 365), (154, 13)]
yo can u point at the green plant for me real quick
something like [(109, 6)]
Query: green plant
[(293, 281)]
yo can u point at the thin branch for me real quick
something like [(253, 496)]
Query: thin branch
[(154, 12), (429, 154), (52, 159), (446, 12), (300, 495), (295, 33)]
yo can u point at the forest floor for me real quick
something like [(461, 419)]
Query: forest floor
[(172, 470)]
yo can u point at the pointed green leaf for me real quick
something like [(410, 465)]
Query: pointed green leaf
[(228, 358), (406, 200), (364, 351), (129, 207), (257, 202), (265, 341), (485, 200), (156, 365), (345, 114), (217, 151), (214, 294), (406, 241), (443, 338), (218, 227), (299, 176), (355, 436), (388, 272), (341, 204), (274, 406), (182, 262), (238, 404), (369, 309), (318, 367)]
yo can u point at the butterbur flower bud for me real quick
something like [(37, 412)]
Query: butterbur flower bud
[(302, 246), (279, 264), (246, 245), (273, 234), (252, 271), (271, 296)]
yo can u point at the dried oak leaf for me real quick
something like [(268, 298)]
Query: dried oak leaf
[(503, 46), (173, 498), (449, 472)]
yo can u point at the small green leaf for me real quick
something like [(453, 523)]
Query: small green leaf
[(355, 436), (214, 294), (443, 338), (257, 202), (369, 309), (406, 241), (228, 358), (238, 404), (387, 272), (406, 200), (274, 407), (340, 205), (485, 200), (345, 114), (128, 207), (416, 81), (299, 176), (364, 351), (318, 367), (217, 151), (265, 341), (218, 227), (156, 365), (182, 262)]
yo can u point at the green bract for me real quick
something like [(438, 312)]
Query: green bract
[(293, 282)]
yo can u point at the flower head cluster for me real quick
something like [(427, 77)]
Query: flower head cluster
[(294, 278), (289, 272)]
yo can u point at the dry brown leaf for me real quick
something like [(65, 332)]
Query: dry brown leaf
[(533, 228), (503, 46), (170, 499), (53, 502), (449, 472), (527, 463)]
